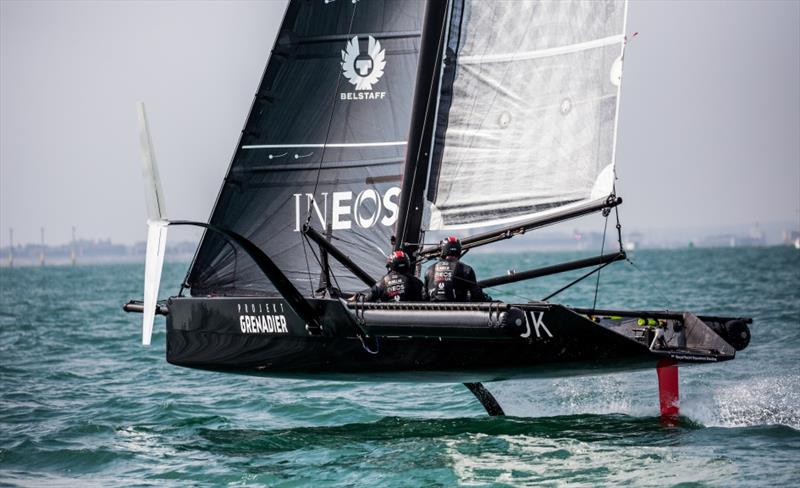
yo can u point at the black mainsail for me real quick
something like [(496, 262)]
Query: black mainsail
[(325, 141)]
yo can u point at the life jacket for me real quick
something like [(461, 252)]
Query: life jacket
[(397, 287), (450, 280)]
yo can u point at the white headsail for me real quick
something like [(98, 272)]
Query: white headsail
[(527, 110), (156, 226)]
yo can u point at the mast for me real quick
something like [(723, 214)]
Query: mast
[(41, 253), (420, 136), (10, 247), (73, 255)]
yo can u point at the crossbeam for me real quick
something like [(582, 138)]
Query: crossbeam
[(551, 270), (522, 227)]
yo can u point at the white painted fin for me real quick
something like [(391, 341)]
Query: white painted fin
[(153, 264)]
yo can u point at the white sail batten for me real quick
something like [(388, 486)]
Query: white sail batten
[(542, 53), (528, 110)]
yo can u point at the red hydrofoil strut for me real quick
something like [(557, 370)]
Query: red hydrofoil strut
[(668, 397)]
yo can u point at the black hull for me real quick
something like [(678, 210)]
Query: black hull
[(417, 342)]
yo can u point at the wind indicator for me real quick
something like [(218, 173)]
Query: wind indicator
[(156, 226)]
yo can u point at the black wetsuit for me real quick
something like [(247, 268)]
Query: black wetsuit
[(396, 287), (450, 280)]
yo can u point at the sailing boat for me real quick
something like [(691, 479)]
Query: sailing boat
[(376, 122)]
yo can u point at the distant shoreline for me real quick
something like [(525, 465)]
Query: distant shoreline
[(61, 261), (91, 260)]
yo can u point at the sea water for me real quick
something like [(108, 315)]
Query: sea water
[(83, 403)]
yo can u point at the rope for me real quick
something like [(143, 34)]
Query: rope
[(493, 288), (321, 159), (652, 283), (619, 229), (308, 268), (548, 297), (366, 348), (637, 268), (319, 262), (602, 248)]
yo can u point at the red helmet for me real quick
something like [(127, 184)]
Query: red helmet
[(451, 247), (397, 261)]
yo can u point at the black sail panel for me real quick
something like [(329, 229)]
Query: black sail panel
[(325, 138)]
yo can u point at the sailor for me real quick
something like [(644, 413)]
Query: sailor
[(399, 284), (450, 280)]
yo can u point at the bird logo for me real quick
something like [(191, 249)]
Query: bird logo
[(363, 69)]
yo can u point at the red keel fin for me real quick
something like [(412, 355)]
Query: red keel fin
[(668, 396)]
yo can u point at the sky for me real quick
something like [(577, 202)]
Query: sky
[(709, 128)]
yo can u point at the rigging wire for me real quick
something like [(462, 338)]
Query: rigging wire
[(602, 248), (597, 270), (653, 284), (322, 159), (590, 273), (494, 288), (308, 268), (619, 229), (319, 262), (355, 244), (330, 119), (333, 275), (316, 258)]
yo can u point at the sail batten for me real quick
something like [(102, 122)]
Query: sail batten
[(344, 37), (525, 55), (327, 144)]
